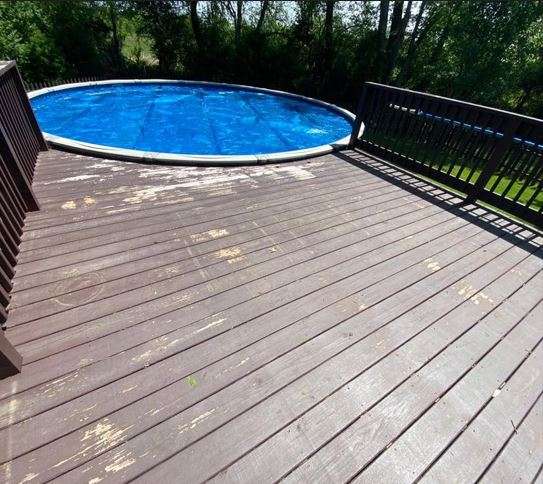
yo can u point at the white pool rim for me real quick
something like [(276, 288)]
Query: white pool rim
[(189, 159)]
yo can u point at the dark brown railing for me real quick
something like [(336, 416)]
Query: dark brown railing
[(20, 142), (490, 155), (34, 86)]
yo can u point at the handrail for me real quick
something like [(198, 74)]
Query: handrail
[(449, 100), (34, 86), (20, 143), (491, 155)]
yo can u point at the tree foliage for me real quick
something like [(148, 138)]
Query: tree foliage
[(485, 51)]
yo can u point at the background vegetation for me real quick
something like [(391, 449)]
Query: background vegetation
[(485, 51)]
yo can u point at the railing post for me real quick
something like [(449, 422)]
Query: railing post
[(28, 109), (21, 140), (10, 359), (494, 160), (359, 113), (24, 185)]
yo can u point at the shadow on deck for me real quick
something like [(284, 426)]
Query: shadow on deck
[(324, 320)]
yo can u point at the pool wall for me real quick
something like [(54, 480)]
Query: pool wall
[(188, 159)]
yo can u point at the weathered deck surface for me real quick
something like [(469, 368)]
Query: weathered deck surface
[(309, 322)]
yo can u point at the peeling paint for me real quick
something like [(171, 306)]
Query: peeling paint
[(233, 367), (465, 290), (298, 172), (117, 210), (69, 205), (210, 325), (143, 356), (76, 178), (179, 298), (55, 387), (101, 437), (481, 296), (210, 234), (432, 265), (151, 193), (129, 389), (121, 461), (230, 253), (28, 478), (195, 421), (9, 408)]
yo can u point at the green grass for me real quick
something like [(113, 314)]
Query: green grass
[(457, 165)]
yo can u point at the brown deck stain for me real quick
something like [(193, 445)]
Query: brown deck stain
[(258, 363)]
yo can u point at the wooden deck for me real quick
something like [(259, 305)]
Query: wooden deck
[(326, 320)]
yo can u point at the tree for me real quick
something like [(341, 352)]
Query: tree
[(397, 32), (327, 57), (485, 51), (162, 22), (195, 23), (382, 35), (407, 64), (114, 10), (261, 17)]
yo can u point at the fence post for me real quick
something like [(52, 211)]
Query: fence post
[(21, 140), (359, 113), (495, 158), (28, 109), (24, 185), (10, 359)]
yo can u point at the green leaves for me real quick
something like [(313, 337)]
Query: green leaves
[(484, 51)]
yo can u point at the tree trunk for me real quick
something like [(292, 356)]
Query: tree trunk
[(195, 23), (263, 10), (328, 40), (526, 94), (381, 36), (328, 27), (438, 49), (306, 19), (397, 32), (116, 43), (237, 22), (407, 65)]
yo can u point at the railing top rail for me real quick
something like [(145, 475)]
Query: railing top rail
[(6, 66), (456, 102)]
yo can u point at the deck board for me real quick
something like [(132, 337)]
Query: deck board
[(311, 321)]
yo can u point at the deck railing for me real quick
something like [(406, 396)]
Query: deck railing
[(20, 142), (490, 155), (34, 86)]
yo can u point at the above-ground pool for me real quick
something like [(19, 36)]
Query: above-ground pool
[(188, 122)]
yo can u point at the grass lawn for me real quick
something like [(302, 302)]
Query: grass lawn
[(469, 165)]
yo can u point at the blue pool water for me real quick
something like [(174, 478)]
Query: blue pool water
[(188, 118)]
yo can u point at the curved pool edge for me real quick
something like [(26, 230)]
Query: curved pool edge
[(104, 151)]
